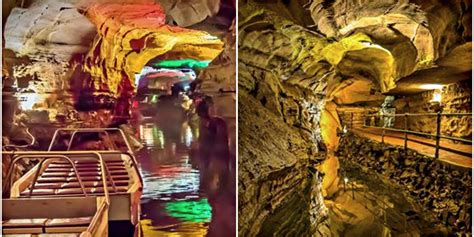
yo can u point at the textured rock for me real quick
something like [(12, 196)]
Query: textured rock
[(49, 30), (278, 188), (127, 42), (218, 81), (352, 53)]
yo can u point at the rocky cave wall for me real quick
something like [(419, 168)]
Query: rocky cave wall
[(456, 98), (443, 191), (278, 128), (279, 188), (127, 42), (218, 81)]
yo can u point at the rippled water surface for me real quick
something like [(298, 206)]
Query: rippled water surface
[(178, 188)]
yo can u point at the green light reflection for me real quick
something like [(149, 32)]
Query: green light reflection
[(192, 211)]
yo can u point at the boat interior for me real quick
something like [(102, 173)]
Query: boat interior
[(80, 176)]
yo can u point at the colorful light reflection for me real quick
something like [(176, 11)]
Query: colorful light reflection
[(192, 211), (151, 135)]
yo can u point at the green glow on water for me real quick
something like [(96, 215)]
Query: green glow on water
[(192, 211)]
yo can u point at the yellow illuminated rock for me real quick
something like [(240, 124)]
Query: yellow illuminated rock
[(127, 42)]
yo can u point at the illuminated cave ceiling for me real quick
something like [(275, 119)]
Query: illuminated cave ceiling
[(395, 44), (109, 42), (127, 41)]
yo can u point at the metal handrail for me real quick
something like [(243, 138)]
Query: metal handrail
[(17, 158), (437, 136), (76, 130), (42, 154)]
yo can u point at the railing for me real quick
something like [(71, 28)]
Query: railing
[(437, 136)]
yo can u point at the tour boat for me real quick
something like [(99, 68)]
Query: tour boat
[(52, 215), (79, 174)]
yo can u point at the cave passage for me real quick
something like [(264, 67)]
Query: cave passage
[(113, 118), (355, 118)]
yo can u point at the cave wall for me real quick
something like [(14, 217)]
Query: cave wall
[(280, 144), (456, 98), (444, 191), (279, 188), (41, 42)]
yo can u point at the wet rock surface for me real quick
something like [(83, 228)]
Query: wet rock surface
[(278, 188), (443, 191)]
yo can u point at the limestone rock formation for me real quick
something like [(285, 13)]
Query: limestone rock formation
[(127, 42), (218, 80), (49, 30), (278, 188)]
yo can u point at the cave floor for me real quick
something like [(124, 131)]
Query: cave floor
[(397, 139)]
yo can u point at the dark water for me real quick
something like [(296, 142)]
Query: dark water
[(183, 195)]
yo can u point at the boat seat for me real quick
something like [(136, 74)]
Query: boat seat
[(17, 227), (60, 225), (96, 190), (20, 226), (90, 165), (81, 169), (71, 191), (87, 184), (74, 179), (88, 162), (81, 174), (39, 192), (44, 235)]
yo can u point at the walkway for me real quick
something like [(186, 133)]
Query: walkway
[(422, 145)]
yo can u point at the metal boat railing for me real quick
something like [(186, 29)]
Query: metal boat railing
[(46, 155), (75, 131)]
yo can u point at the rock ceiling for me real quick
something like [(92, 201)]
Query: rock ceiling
[(127, 41), (395, 44), (109, 41)]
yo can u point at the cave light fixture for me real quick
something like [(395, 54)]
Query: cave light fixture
[(436, 96), (431, 86), (210, 37)]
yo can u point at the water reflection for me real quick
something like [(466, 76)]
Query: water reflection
[(181, 196)]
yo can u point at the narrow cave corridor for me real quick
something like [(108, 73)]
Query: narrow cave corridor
[(355, 118), (118, 118)]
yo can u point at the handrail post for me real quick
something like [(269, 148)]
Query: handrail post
[(438, 132), (352, 115), (383, 127), (406, 134)]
